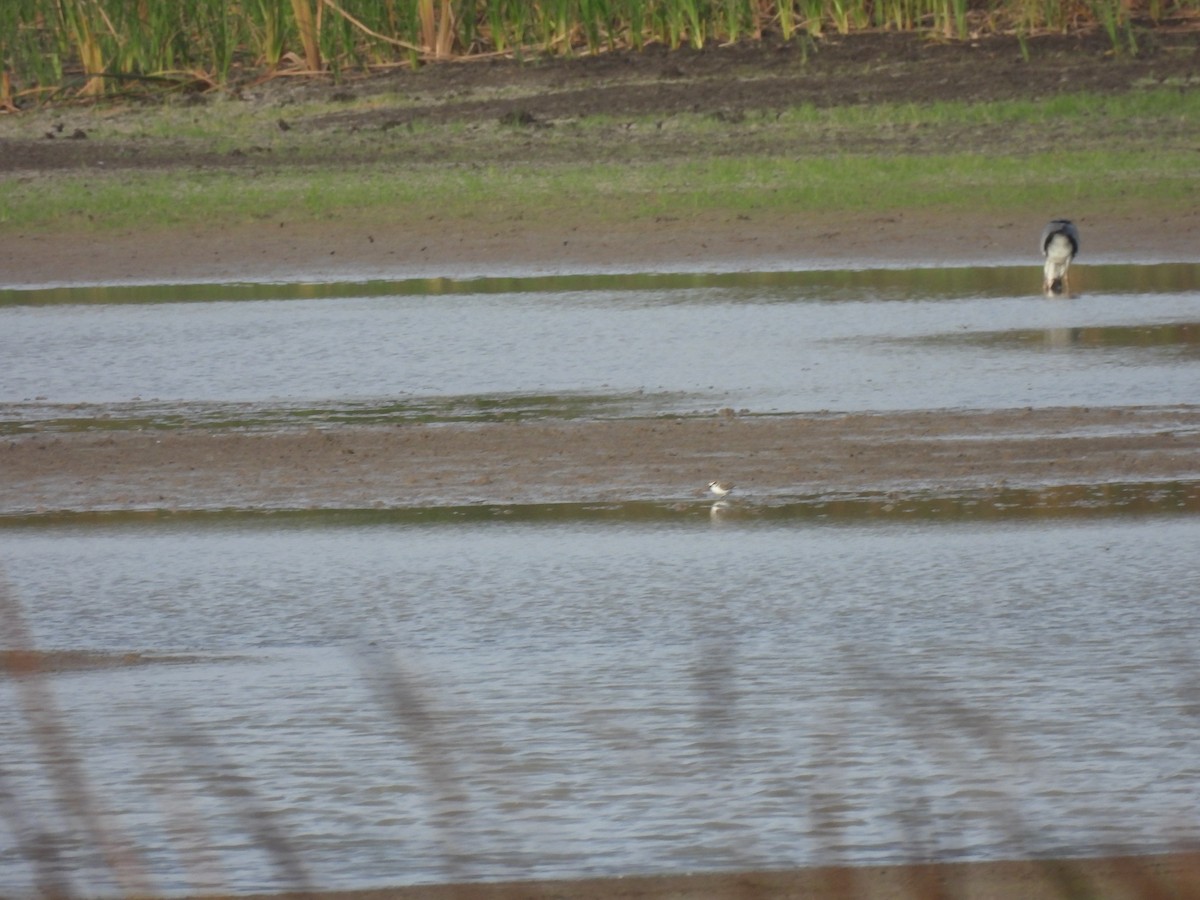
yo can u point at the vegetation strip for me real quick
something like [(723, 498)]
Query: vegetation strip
[(773, 180), (92, 47)]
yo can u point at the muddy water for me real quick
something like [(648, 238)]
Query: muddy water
[(408, 703), (370, 699), (774, 342)]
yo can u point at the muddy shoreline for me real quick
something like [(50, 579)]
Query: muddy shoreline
[(604, 461), (563, 244), (1112, 877)]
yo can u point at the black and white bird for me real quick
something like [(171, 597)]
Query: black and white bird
[(720, 489), (1060, 243)]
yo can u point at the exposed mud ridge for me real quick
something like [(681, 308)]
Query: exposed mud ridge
[(668, 458)]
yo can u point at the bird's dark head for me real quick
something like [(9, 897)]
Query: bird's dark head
[(1064, 227)]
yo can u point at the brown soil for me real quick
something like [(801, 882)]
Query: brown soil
[(739, 87), (1115, 878), (770, 458), (733, 84)]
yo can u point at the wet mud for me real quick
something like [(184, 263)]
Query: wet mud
[(770, 458)]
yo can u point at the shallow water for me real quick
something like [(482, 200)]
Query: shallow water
[(380, 697), (409, 703), (765, 342)]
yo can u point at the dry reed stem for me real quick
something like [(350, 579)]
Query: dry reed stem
[(75, 798), (309, 34), (395, 42)]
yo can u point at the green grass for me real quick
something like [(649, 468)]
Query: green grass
[(1096, 179), (947, 182), (1064, 110), (1128, 150)]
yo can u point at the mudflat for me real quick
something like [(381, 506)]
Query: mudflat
[(658, 459)]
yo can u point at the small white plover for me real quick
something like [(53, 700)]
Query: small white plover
[(719, 488)]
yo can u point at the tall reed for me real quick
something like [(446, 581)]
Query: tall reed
[(306, 26), (89, 46)]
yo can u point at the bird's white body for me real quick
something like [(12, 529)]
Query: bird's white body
[(1060, 243), (719, 488)]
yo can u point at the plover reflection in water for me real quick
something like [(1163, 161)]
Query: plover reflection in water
[(720, 510), (720, 488)]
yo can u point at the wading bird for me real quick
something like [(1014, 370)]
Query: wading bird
[(719, 488), (1060, 243)]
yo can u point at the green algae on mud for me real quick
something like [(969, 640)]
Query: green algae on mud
[(770, 177)]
